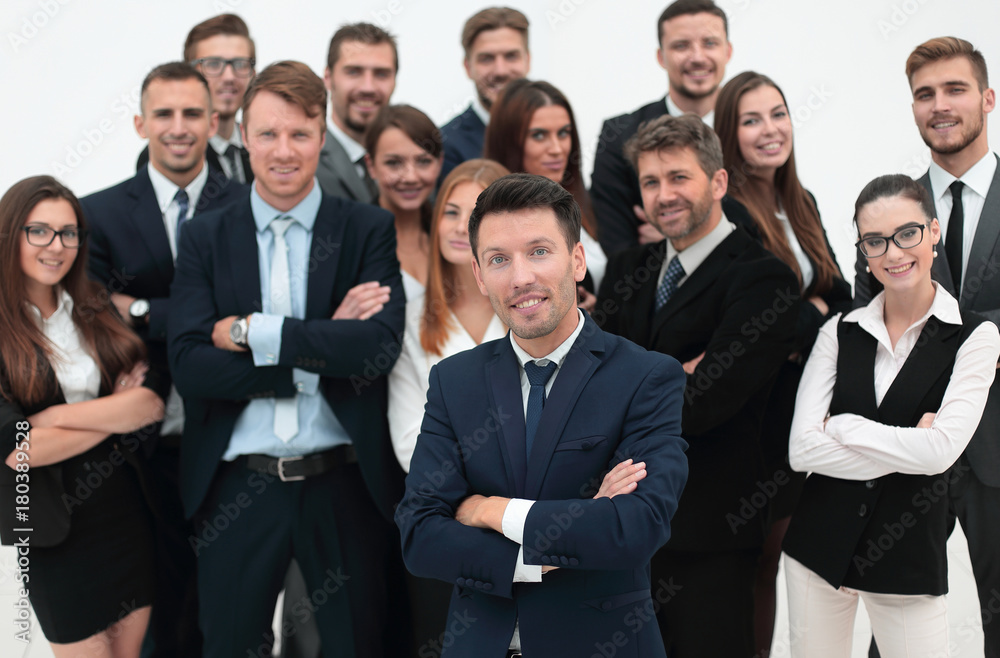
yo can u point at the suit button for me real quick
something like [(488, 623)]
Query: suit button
[(487, 587), (470, 582), (870, 484), (564, 560), (586, 445), (607, 605), (545, 559), (460, 582), (573, 562), (479, 584), (863, 510)]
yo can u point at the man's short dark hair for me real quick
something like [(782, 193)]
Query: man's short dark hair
[(229, 24), (669, 132), (686, 8), (366, 33), (523, 191), (493, 18), (175, 71)]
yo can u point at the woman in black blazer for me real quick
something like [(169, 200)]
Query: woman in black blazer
[(72, 402), (766, 198)]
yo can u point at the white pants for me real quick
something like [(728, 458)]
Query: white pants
[(821, 619)]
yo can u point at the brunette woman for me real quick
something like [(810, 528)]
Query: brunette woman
[(72, 379)]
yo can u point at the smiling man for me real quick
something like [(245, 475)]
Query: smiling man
[(951, 100), (286, 406), (360, 75), (517, 435)]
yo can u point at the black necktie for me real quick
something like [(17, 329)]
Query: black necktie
[(233, 156), (538, 377), (953, 241)]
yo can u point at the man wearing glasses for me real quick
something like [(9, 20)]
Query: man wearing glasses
[(222, 51)]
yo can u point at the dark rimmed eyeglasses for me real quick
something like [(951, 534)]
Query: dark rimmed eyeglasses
[(907, 237), (214, 66), (42, 236)]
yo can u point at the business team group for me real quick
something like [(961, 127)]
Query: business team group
[(453, 403)]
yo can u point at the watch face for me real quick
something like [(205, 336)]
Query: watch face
[(139, 308), (238, 331)]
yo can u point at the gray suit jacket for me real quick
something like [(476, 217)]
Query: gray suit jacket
[(980, 294), (337, 175)]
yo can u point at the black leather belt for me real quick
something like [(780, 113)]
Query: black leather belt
[(291, 469)]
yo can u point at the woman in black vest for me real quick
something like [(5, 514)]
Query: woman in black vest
[(890, 397)]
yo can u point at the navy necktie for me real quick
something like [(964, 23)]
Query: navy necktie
[(669, 284), (182, 209), (538, 376), (953, 241)]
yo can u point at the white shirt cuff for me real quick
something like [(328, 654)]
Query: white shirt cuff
[(514, 517), (526, 573)]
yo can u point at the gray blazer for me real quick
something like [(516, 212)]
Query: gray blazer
[(337, 175)]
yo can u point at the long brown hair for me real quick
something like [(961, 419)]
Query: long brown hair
[(510, 120), (761, 200), (440, 293), (22, 343)]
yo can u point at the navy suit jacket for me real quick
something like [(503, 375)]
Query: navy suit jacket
[(610, 401), (210, 155), (463, 140), (218, 276)]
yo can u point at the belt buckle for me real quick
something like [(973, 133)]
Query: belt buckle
[(281, 469)]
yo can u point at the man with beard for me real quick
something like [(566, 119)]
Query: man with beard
[(222, 51), (495, 41), (360, 75), (951, 98), (694, 50), (714, 299)]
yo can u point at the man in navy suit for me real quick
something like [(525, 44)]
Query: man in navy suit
[(495, 41), (517, 434), (286, 451), (132, 247)]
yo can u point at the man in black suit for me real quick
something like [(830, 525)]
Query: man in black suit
[(694, 50), (495, 41), (360, 74), (286, 452), (222, 50), (714, 299), (951, 98), (132, 246)]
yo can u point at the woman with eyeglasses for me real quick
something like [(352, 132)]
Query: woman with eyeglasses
[(73, 397), (889, 399)]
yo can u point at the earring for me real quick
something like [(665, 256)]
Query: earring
[(868, 269), (935, 253)]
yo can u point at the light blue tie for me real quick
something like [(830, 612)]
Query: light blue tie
[(538, 376), (286, 411)]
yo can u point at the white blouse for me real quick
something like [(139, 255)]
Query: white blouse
[(805, 265), (408, 380), (75, 368), (597, 261), (851, 447)]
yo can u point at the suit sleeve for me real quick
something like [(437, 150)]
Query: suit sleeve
[(200, 369), (614, 190)]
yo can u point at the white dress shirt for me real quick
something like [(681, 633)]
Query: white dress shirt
[(694, 255), (805, 265), (851, 447), (165, 190), (76, 370), (674, 111)]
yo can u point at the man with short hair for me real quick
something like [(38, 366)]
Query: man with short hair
[(222, 50), (694, 49), (286, 452), (133, 242), (951, 98), (495, 41), (714, 299), (516, 437), (360, 74)]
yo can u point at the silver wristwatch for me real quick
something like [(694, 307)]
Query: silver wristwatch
[(139, 311), (238, 331)]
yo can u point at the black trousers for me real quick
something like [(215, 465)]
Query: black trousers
[(250, 528), (704, 602)]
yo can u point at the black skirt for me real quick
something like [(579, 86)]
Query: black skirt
[(104, 569)]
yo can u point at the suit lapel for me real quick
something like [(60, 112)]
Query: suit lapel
[(145, 215), (930, 357), (328, 235), (940, 270), (987, 234), (337, 161), (243, 263), (645, 297), (504, 377)]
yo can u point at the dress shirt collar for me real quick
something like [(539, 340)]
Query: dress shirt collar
[(675, 111), (64, 308), (304, 213), (871, 318), (165, 189), (482, 112), (978, 178), (220, 143), (355, 151), (558, 355), (695, 255)]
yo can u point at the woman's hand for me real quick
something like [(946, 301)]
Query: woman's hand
[(362, 301), (131, 379)]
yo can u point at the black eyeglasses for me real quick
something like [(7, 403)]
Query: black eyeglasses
[(42, 236), (907, 237), (214, 66)]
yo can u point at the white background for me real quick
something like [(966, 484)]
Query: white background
[(71, 72)]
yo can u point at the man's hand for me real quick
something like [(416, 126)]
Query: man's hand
[(692, 364), (622, 479), (648, 234), (585, 299), (220, 335), (362, 301), (481, 512), (122, 302)]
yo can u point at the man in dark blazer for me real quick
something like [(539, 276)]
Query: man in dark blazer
[(501, 482), (133, 228), (495, 41), (951, 98), (694, 50), (222, 50), (713, 298), (360, 74), (286, 451)]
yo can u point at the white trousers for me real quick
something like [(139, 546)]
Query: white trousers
[(821, 619)]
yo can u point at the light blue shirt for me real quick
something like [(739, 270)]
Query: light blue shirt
[(319, 428)]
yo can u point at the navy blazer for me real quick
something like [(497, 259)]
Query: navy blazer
[(210, 155), (463, 140), (218, 276), (610, 401)]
